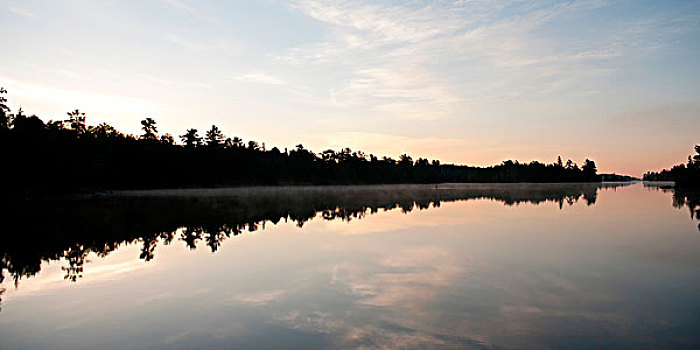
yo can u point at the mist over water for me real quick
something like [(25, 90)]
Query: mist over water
[(401, 267)]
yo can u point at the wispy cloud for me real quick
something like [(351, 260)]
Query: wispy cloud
[(404, 285), (398, 90), (216, 45), (179, 5), (259, 77), (259, 298), (21, 12), (356, 27), (380, 24), (432, 61)]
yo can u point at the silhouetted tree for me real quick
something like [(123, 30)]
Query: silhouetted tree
[(55, 125), (328, 155), (4, 110), (149, 128), (103, 130), (167, 139), (17, 120), (191, 138), (214, 137), (684, 175), (589, 168), (237, 141), (76, 121), (422, 162)]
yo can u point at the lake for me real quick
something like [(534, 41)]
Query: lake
[(454, 266)]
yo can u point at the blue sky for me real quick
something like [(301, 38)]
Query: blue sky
[(471, 82)]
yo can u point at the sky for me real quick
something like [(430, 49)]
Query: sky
[(466, 81)]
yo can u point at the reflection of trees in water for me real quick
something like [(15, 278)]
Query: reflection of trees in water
[(682, 197), (76, 256), (71, 229), (688, 198), (658, 185)]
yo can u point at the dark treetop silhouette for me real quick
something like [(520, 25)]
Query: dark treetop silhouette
[(69, 155), (684, 175)]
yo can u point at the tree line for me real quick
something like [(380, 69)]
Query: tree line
[(684, 175), (70, 154)]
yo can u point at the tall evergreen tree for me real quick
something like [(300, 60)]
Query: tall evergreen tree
[(214, 137), (149, 128), (4, 110), (191, 139)]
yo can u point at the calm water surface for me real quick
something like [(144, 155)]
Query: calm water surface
[(407, 267)]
